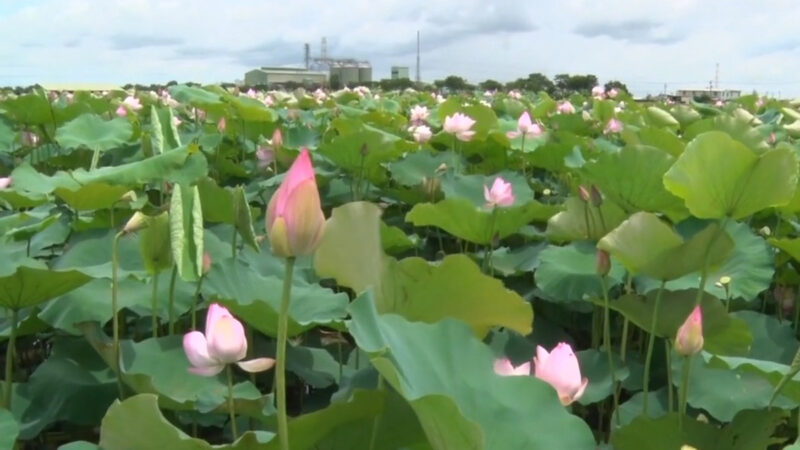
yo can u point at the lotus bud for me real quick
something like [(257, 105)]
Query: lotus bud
[(595, 196), (561, 370), (221, 125), (689, 340), (504, 367), (129, 196), (547, 192), (603, 263), (277, 138), (135, 223), (295, 221), (765, 231), (5, 182), (584, 194), (206, 262)]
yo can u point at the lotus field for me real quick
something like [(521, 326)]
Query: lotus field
[(200, 268)]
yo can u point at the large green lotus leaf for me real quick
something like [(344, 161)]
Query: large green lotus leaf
[(30, 109), (195, 96), (510, 261), (93, 132), (461, 218), (32, 282), (594, 366), (485, 118), (92, 196), (165, 133), (750, 267), (472, 187), (748, 184), (159, 366), (736, 127), (73, 384), (552, 155), (632, 408), (256, 298), (446, 374), (251, 110), (723, 392), (456, 287), (632, 179), (363, 154), (660, 118), (186, 232), (723, 334), (644, 244), (9, 429), (242, 218), (571, 224), (350, 251), (89, 252), (662, 139), (749, 430), (79, 445), (136, 173), (217, 202), (394, 240), (154, 243), (7, 135), (91, 302), (773, 340), (419, 166), (569, 273)]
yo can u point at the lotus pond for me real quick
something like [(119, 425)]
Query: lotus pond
[(200, 268)]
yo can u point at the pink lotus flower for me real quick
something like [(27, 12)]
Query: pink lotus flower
[(515, 94), (689, 339), (251, 93), (268, 101), (277, 138), (504, 367), (566, 107), (199, 113), (598, 92), (422, 134), (771, 138), (419, 114), (719, 103), (526, 128), (613, 126), (459, 124), (759, 102), (295, 221), (560, 369), (612, 93), (132, 103), (5, 182), (222, 124), (320, 95), (501, 193), (121, 111), (223, 343)]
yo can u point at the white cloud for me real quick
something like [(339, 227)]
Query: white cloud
[(641, 43)]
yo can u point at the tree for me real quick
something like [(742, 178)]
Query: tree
[(491, 85), (391, 84), (567, 84), (455, 83), (618, 85)]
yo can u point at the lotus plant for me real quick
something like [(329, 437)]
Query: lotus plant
[(5, 182), (422, 134), (459, 125), (688, 342), (560, 369), (223, 343), (613, 126), (504, 367), (295, 223), (129, 104), (500, 194), (565, 107), (419, 114)]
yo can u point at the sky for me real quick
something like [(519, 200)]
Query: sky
[(645, 44)]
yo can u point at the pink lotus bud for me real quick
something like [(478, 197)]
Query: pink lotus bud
[(268, 101), (584, 194), (419, 114), (221, 124), (504, 367), (595, 196), (223, 343), (759, 102), (612, 93), (137, 221), (613, 126), (771, 138), (277, 138), (501, 193), (459, 124), (525, 127), (251, 93), (689, 340), (719, 103), (566, 107), (206, 262), (598, 92), (121, 111), (603, 263), (5, 182), (785, 297), (560, 369), (295, 221), (422, 134)]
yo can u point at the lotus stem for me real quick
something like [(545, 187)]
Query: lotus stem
[(115, 312), (171, 313), (650, 344), (668, 353), (687, 364), (231, 406), (607, 343), (154, 305), (10, 354), (195, 298), (280, 363), (376, 423)]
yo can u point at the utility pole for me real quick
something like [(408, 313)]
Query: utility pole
[(716, 77), (418, 78)]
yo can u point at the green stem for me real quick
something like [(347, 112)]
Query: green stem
[(341, 369), (376, 423), (522, 153), (687, 364), (95, 160), (195, 298), (607, 343), (233, 242), (704, 271), (624, 343), (10, 355), (669, 375), (490, 247), (115, 312), (171, 315), (650, 344), (154, 305), (280, 364), (231, 406)]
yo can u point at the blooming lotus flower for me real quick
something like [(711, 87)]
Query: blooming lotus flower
[(223, 343), (598, 92), (251, 93), (488, 94), (560, 369), (689, 339), (439, 98), (526, 128), (612, 93), (422, 134), (501, 193), (121, 111), (565, 107), (419, 114), (361, 90), (295, 221), (719, 103), (268, 101), (459, 124), (504, 367), (5, 182), (613, 126), (759, 102), (515, 94), (221, 125), (129, 104)]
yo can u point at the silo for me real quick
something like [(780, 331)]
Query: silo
[(365, 74), (349, 75)]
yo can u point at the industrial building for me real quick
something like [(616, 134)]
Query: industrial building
[(270, 76), (687, 95), (350, 73), (399, 72)]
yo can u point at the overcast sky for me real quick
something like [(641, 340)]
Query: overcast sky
[(642, 43)]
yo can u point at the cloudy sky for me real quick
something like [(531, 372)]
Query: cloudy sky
[(642, 43)]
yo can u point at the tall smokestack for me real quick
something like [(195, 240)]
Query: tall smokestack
[(307, 49), (418, 76)]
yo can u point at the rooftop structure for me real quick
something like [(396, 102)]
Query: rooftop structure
[(270, 76)]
